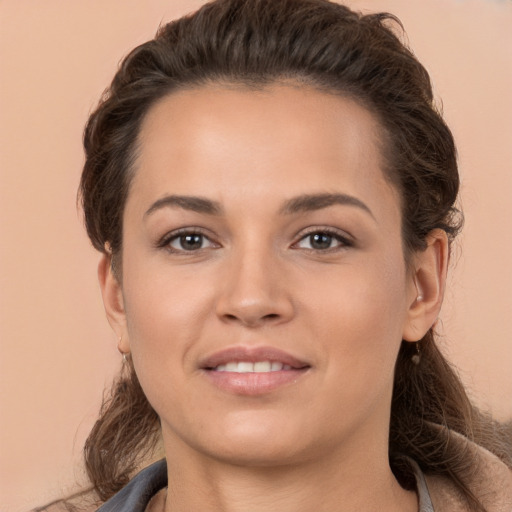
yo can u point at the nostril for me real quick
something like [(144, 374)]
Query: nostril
[(251, 319), (252, 310)]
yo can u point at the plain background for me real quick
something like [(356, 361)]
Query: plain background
[(57, 351)]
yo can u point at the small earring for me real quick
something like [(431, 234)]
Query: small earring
[(416, 358), (124, 354), (419, 298)]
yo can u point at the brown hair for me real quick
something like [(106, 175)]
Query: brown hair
[(330, 47)]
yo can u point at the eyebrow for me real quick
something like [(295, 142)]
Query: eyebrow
[(192, 203), (302, 203), (310, 202)]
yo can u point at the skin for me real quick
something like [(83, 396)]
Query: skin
[(256, 278)]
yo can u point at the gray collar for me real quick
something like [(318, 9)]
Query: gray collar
[(425, 501)]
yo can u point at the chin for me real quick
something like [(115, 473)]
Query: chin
[(260, 452), (252, 439)]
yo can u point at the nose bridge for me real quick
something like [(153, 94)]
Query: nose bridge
[(254, 291)]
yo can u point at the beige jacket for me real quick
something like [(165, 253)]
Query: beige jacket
[(491, 483)]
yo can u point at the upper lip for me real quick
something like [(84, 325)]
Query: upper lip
[(251, 354)]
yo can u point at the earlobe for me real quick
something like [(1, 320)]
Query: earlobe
[(429, 279), (111, 292)]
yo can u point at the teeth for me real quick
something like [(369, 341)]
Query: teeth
[(245, 367), (248, 367), (263, 366)]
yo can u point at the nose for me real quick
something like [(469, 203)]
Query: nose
[(255, 291)]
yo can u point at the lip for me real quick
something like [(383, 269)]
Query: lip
[(252, 355), (252, 383)]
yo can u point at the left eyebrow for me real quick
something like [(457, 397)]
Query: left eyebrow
[(311, 202)]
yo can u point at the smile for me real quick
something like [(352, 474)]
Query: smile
[(250, 367), (253, 371)]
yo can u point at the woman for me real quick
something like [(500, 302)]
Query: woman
[(272, 191)]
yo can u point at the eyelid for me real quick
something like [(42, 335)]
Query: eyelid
[(342, 236), (164, 241)]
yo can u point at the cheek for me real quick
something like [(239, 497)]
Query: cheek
[(365, 287), (357, 318), (358, 312), (165, 318), (165, 311)]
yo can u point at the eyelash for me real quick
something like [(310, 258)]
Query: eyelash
[(165, 242), (343, 240)]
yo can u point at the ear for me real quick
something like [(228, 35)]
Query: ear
[(426, 291), (112, 294)]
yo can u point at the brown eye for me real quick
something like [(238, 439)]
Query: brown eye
[(189, 242), (322, 241)]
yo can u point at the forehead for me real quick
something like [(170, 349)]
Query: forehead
[(274, 141)]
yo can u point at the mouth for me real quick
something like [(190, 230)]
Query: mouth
[(253, 370), (250, 367)]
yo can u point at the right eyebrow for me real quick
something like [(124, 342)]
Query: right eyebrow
[(192, 203)]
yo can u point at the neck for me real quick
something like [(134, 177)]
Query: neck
[(331, 483)]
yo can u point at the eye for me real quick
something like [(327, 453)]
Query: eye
[(187, 241), (322, 241)]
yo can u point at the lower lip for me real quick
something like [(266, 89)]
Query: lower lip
[(253, 383)]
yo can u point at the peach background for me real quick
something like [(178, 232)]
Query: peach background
[(57, 352)]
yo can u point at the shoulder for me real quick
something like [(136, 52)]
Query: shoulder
[(134, 496), (491, 483), (140, 490)]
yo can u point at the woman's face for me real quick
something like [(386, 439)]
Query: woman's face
[(264, 294)]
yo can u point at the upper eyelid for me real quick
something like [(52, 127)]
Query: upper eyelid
[(344, 241), (192, 230), (324, 229), (343, 235)]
